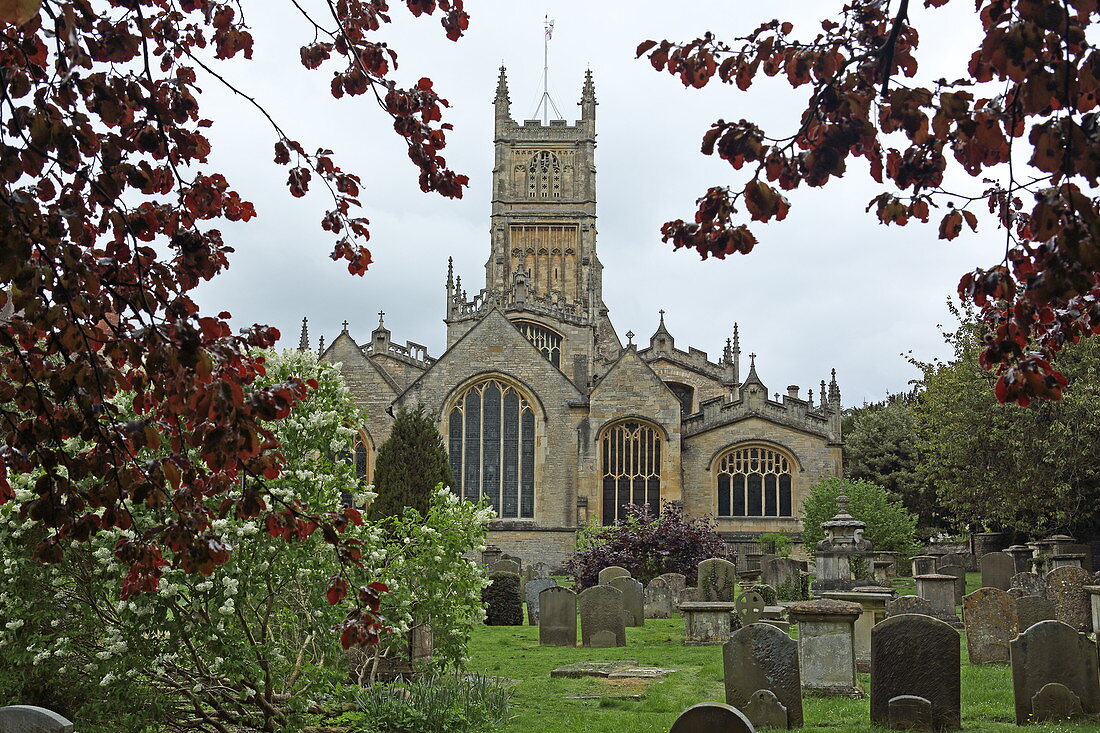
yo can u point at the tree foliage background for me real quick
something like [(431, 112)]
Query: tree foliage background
[(890, 526)]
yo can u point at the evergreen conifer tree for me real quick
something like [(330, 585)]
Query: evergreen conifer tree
[(410, 465)]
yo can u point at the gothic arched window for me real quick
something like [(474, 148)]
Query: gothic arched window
[(754, 481), (361, 454), (545, 340), (544, 176), (631, 465), (685, 393), (491, 443)]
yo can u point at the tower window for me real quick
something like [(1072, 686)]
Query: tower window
[(544, 339), (754, 481), (630, 454), (544, 175)]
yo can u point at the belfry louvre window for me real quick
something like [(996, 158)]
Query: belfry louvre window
[(544, 339), (631, 457), (754, 481), (491, 442), (544, 176)]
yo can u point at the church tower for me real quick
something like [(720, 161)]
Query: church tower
[(542, 270)]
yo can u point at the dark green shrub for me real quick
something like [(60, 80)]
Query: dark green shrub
[(503, 600), (411, 463)]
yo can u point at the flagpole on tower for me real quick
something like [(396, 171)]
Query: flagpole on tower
[(546, 101)]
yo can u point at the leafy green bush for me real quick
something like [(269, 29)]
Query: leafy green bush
[(471, 704), (776, 543), (890, 526)]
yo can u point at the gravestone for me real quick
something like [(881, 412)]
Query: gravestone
[(923, 565), (997, 570), (939, 591), (1030, 583), (908, 604), (1016, 592), (761, 657), (765, 711), (766, 592), (538, 570), (677, 582), (31, 719), (916, 655), (1055, 702), (506, 566), (1051, 651), (602, 610), (557, 617), (826, 645), (716, 580), (531, 590), (952, 558), (611, 571), (959, 572), (1066, 588), (503, 603), (605, 639), (712, 717), (707, 622), (990, 618), (1030, 610), (874, 611), (633, 599), (750, 607), (1094, 598), (785, 575), (658, 599), (909, 712), (690, 595)]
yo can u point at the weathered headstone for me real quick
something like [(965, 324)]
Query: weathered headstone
[(990, 618), (1030, 610), (633, 599), (716, 579), (502, 599), (952, 558), (659, 599), (557, 617), (997, 570), (939, 591), (766, 592), (1020, 555), (908, 604), (1066, 588), (909, 712), (923, 565), (676, 584), (531, 590), (959, 572), (1055, 702), (690, 595), (916, 655), (1016, 592), (605, 639), (785, 575), (761, 657), (611, 571), (506, 566), (601, 610), (1031, 583), (1051, 651), (874, 611), (826, 645), (538, 570), (750, 607), (31, 719), (765, 711), (712, 717)]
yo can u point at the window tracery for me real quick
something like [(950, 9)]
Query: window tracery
[(754, 481), (544, 176), (631, 466), (544, 339)]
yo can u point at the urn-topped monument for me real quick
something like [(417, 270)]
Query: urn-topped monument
[(842, 557)]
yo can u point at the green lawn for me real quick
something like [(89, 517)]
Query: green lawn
[(542, 704)]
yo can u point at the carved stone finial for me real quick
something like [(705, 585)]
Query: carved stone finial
[(321, 345), (303, 341), (630, 338), (752, 361), (381, 315)]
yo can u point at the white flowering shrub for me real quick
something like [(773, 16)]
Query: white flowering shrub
[(252, 646)]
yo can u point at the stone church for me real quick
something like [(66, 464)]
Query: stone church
[(547, 414)]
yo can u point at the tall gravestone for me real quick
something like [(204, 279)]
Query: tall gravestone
[(785, 575), (1051, 651), (826, 645), (602, 613), (633, 599), (611, 571), (919, 656), (834, 556), (997, 570), (503, 603), (531, 590), (939, 591), (658, 599), (959, 572), (31, 719), (923, 565), (557, 617), (761, 657), (1030, 610), (716, 580), (990, 618), (506, 566), (712, 717), (1066, 589)]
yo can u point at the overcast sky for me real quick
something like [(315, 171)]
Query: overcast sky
[(828, 287)]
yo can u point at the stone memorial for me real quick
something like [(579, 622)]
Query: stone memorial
[(959, 572), (874, 611), (502, 599), (1052, 651), (611, 571), (918, 656), (716, 580), (1030, 610), (538, 570), (506, 566), (952, 558), (766, 592), (1094, 606), (997, 570), (677, 582), (601, 609), (834, 555), (31, 719), (658, 599), (750, 607), (491, 555), (557, 617), (712, 717), (826, 645), (1076, 560), (908, 604), (1016, 592), (785, 575), (633, 598), (909, 712), (761, 657), (1066, 588), (765, 711), (1055, 702), (990, 618), (939, 590), (531, 591), (1020, 555), (1031, 584), (690, 595), (923, 565), (707, 622)]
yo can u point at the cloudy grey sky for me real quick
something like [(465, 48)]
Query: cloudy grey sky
[(827, 287)]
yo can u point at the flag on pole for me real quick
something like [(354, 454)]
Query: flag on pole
[(549, 29)]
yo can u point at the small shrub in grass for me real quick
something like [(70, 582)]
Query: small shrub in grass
[(470, 704)]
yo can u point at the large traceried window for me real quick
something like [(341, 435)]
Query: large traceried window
[(545, 340), (491, 442), (544, 176), (631, 465), (754, 481)]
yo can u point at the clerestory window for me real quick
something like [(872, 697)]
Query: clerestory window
[(545, 340), (754, 481)]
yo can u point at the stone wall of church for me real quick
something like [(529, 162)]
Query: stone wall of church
[(368, 387), (552, 546), (704, 387)]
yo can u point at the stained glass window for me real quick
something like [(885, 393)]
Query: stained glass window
[(631, 461), (754, 481), (545, 340)]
